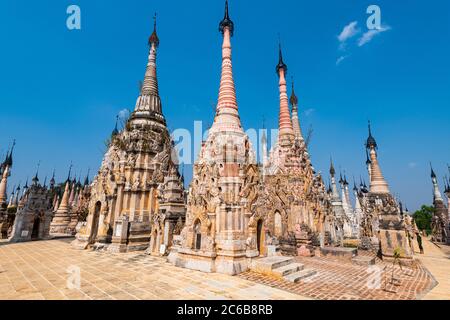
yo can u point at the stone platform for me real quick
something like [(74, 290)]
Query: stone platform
[(339, 253)]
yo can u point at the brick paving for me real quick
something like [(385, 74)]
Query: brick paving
[(342, 280), (41, 270)]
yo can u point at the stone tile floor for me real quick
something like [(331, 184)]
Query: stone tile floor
[(436, 259), (41, 270), (338, 280)]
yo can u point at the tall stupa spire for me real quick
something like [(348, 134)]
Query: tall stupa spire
[(295, 117), (150, 85), (227, 115), (377, 182), (6, 172), (334, 189), (286, 131), (436, 192), (62, 217), (148, 105)]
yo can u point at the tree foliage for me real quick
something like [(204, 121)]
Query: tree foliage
[(423, 218)]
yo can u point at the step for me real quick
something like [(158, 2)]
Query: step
[(288, 269), (297, 276), (266, 265), (363, 260), (339, 252)]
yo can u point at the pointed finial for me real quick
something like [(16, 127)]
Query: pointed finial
[(45, 182), (86, 181), (52, 180), (433, 175), (9, 159), (12, 147), (115, 132), (154, 37), (79, 177), (371, 143), (332, 170), (281, 64), (226, 22), (368, 161), (355, 188), (293, 99), (70, 172), (36, 177)]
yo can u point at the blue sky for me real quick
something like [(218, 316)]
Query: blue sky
[(60, 90)]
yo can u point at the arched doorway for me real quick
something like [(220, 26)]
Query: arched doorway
[(260, 238), (36, 225), (95, 220), (278, 225), (197, 235)]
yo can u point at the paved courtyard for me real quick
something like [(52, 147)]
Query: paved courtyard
[(437, 260), (48, 269)]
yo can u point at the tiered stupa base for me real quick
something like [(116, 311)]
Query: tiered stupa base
[(60, 226)]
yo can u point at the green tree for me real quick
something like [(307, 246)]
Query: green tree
[(423, 218)]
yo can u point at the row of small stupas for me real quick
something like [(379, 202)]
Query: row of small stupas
[(39, 211)]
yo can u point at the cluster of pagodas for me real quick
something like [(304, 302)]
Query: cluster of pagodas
[(32, 211), (235, 210)]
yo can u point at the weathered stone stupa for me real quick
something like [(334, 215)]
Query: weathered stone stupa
[(34, 213), (381, 204), (439, 222), (60, 225), (291, 199), (223, 187), (124, 195), (6, 217)]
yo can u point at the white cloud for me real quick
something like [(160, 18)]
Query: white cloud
[(340, 59), (349, 31), (369, 35), (124, 114), (412, 165), (309, 111)]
